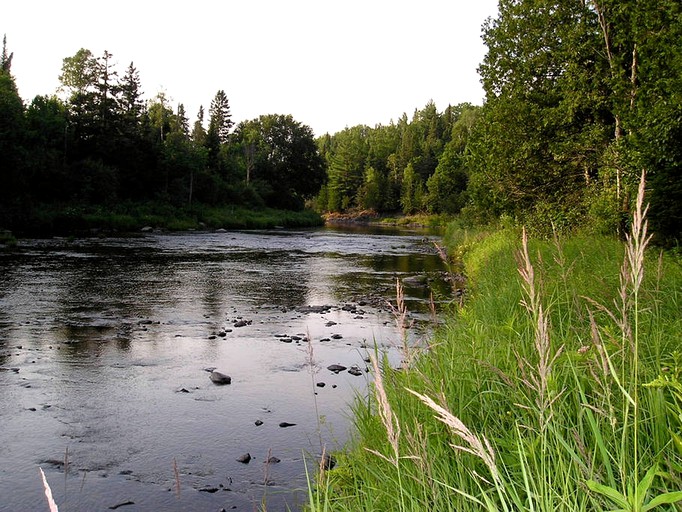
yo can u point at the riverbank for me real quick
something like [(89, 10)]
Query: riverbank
[(555, 387), (372, 217), (133, 217)]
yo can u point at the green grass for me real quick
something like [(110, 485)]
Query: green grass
[(132, 217), (567, 380)]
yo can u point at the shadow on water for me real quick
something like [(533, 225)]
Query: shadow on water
[(112, 339)]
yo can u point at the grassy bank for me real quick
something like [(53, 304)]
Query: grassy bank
[(556, 387), (132, 217)]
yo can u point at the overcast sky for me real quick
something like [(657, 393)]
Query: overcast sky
[(328, 63)]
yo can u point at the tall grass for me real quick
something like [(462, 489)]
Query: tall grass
[(556, 387)]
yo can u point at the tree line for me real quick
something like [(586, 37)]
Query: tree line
[(104, 144), (581, 96)]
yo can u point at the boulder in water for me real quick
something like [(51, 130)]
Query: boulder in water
[(220, 378)]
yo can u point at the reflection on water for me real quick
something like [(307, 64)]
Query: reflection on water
[(112, 337)]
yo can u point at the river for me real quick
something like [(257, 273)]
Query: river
[(106, 346)]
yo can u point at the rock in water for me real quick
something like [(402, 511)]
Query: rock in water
[(336, 368), (285, 424), (220, 378), (354, 370), (328, 462), (244, 459)]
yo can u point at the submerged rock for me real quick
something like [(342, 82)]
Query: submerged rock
[(220, 378), (336, 368), (244, 459), (285, 424)]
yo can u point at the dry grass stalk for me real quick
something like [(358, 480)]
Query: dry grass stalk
[(310, 356), (400, 314), (479, 447), (177, 478), (638, 240), (536, 377), (48, 492), (386, 414)]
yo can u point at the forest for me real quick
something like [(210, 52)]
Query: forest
[(580, 98), (104, 146)]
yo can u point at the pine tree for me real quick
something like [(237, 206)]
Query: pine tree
[(220, 117)]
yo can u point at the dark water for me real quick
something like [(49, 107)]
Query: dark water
[(112, 338)]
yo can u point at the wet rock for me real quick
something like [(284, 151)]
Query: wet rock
[(285, 424), (320, 384), (122, 504), (325, 339), (415, 281), (220, 378), (182, 390), (210, 490), (328, 462), (286, 340), (258, 423), (126, 472), (336, 368), (314, 309), (242, 323), (355, 370), (336, 336), (330, 324), (244, 459), (6, 369), (272, 460)]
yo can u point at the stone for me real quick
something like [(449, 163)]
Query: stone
[(244, 459), (285, 424), (220, 378), (336, 368), (355, 370)]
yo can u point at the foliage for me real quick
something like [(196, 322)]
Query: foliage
[(579, 95), (282, 159), (100, 143), (408, 166)]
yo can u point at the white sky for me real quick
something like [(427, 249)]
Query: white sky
[(328, 63)]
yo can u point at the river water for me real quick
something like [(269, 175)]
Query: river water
[(105, 345)]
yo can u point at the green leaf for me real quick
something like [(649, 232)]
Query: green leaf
[(663, 499), (644, 485), (610, 493)]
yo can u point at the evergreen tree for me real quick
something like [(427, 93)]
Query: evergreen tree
[(220, 120), (5, 59), (198, 131)]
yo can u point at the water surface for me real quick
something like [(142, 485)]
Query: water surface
[(105, 343)]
